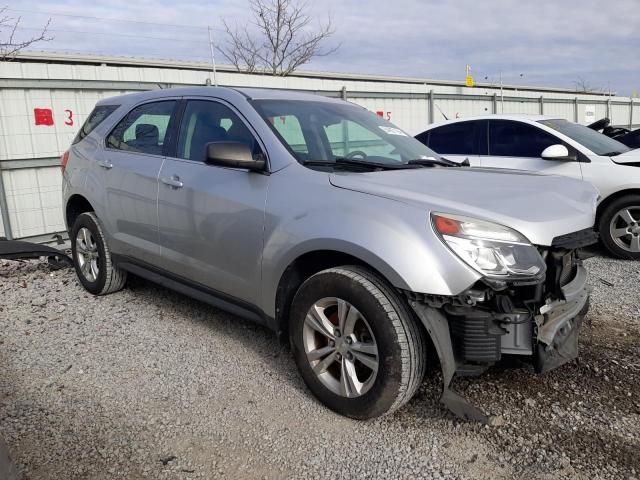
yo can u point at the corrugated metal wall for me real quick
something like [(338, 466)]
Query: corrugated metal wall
[(43, 105)]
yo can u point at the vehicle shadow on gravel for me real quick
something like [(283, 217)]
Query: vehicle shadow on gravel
[(260, 339)]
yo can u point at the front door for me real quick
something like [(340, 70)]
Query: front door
[(211, 218), (519, 146)]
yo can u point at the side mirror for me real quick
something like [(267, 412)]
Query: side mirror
[(558, 152), (232, 154)]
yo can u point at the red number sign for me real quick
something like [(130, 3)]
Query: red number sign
[(69, 120)]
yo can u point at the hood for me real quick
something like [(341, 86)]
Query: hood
[(630, 157), (541, 207)]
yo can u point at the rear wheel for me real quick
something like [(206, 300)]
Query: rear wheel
[(620, 227), (358, 347), (92, 257)]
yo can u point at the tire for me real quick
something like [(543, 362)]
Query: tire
[(382, 322), (92, 257), (620, 231)]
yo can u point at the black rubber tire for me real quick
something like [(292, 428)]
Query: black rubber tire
[(400, 339), (603, 226), (110, 278)]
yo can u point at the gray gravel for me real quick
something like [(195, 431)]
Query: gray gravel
[(146, 383)]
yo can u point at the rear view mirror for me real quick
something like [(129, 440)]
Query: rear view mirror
[(232, 154), (558, 152)]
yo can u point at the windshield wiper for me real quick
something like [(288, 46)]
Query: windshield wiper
[(363, 164), (359, 164), (442, 162), (611, 154)]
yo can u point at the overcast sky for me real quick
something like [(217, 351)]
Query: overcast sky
[(535, 42)]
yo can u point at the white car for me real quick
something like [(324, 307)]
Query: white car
[(554, 146)]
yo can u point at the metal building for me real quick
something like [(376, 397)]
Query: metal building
[(45, 98)]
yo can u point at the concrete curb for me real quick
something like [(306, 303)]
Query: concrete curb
[(7, 467)]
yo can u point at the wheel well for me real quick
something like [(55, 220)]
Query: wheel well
[(76, 205), (298, 271), (612, 198)]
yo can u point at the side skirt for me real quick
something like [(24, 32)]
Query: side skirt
[(195, 290)]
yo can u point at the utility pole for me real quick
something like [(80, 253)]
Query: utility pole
[(501, 95), (213, 59)]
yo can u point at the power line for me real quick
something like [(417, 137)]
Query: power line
[(57, 14)]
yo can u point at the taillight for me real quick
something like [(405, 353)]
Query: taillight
[(63, 161)]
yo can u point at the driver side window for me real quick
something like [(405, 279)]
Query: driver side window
[(206, 121), (347, 138)]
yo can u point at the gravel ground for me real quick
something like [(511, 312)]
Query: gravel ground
[(147, 383)]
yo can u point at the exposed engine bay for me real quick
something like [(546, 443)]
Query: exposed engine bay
[(537, 319)]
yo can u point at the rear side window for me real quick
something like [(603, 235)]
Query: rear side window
[(144, 129), (516, 139), (95, 118), (454, 139)]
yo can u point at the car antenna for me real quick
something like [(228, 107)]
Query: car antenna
[(440, 110)]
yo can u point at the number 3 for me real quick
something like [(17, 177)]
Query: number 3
[(69, 120)]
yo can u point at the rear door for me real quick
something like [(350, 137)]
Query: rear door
[(519, 145), (211, 218), (458, 141), (130, 165)]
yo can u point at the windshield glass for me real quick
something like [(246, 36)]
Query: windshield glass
[(595, 141), (323, 131)]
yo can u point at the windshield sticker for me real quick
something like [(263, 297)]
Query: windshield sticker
[(392, 131)]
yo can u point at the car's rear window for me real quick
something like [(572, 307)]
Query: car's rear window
[(96, 117)]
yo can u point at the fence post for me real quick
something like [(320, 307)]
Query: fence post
[(431, 116), (343, 93), (575, 110), (630, 113), (495, 103), (609, 108), (541, 104), (4, 209)]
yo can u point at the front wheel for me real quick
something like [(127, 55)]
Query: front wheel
[(358, 347), (619, 227)]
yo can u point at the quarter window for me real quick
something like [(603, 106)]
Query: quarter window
[(95, 118), (144, 129), (205, 122), (515, 139)]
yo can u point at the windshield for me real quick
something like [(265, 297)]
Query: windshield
[(326, 132), (595, 141)]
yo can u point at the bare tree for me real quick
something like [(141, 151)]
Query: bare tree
[(584, 86), (10, 46), (279, 40)]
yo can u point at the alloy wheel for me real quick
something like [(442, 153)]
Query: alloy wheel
[(625, 229), (340, 347), (87, 254)]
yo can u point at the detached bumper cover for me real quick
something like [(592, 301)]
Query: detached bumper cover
[(559, 323)]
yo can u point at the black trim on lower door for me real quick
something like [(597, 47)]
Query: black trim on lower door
[(195, 290)]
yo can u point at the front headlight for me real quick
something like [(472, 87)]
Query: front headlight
[(493, 250)]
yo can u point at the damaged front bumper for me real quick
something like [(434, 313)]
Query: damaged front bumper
[(471, 332)]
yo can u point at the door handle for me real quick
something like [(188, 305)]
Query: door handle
[(173, 181), (106, 164)]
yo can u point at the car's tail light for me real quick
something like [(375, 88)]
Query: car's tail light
[(63, 161)]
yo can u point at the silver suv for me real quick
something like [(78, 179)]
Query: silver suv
[(335, 228)]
